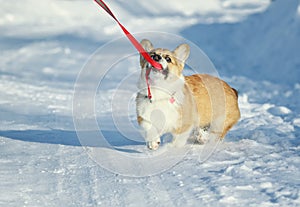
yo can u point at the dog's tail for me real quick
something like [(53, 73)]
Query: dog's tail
[(235, 92)]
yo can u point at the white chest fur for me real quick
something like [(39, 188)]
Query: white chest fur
[(161, 113)]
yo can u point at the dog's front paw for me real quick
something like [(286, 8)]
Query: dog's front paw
[(153, 145)]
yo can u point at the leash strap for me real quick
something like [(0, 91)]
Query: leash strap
[(135, 43)]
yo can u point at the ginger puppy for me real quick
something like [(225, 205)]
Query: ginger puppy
[(185, 106)]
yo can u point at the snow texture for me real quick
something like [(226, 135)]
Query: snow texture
[(255, 46)]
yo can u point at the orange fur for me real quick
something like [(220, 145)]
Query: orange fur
[(214, 98)]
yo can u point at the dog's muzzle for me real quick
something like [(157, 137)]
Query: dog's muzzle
[(159, 59), (164, 71)]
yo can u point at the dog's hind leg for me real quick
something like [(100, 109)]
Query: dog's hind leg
[(201, 134)]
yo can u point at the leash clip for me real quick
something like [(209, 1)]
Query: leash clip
[(150, 98)]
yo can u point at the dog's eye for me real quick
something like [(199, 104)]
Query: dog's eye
[(168, 59)]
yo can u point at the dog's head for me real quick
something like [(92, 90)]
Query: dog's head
[(171, 61)]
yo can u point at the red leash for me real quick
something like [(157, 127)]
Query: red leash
[(135, 43)]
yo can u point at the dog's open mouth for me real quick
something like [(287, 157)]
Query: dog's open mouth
[(164, 71)]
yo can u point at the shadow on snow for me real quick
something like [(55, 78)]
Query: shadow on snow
[(63, 137)]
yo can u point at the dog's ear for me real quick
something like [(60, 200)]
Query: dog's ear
[(182, 52), (147, 45)]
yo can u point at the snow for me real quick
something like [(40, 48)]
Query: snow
[(70, 139)]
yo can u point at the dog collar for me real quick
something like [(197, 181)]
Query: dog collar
[(171, 100), (150, 98)]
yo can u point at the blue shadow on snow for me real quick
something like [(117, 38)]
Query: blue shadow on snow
[(64, 137)]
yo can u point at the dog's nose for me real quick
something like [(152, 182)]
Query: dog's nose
[(156, 57)]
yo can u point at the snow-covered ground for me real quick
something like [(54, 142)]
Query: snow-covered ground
[(46, 45)]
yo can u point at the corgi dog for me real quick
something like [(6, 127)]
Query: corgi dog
[(186, 106)]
